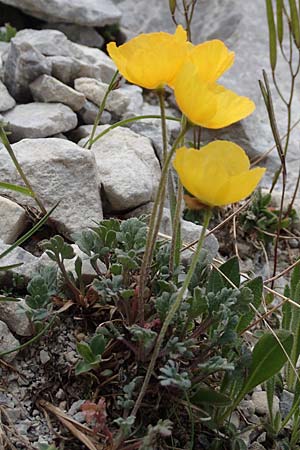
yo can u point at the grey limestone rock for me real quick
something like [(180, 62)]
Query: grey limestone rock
[(6, 100), (128, 167), (38, 120), (82, 12), (48, 89), (13, 220), (59, 171), (7, 342)]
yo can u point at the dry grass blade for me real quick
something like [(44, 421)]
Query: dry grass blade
[(78, 430)]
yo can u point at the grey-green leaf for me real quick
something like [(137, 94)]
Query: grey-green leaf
[(272, 34)]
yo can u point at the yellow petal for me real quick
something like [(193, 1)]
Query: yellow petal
[(208, 105), (194, 98), (233, 157), (231, 108), (151, 60), (202, 177), (218, 174), (212, 59)]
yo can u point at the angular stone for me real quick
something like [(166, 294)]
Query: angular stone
[(261, 403), (18, 255), (48, 89), (59, 171), (7, 342), (92, 13), (14, 315), (37, 120), (128, 168), (117, 100), (89, 112), (76, 33), (23, 65), (190, 232), (47, 42), (6, 100), (94, 59), (13, 220)]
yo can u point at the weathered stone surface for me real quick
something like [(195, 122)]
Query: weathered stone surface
[(89, 112), (79, 34), (82, 12), (128, 168), (48, 89), (85, 62), (6, 100), (12, 220), (7, 342), (23, 65), (117, 100), (96, 61), (261, 403), (15, 318), (47, 42), (36, 120), (60, 171), (18, 255), (189, 230), (151, 128)]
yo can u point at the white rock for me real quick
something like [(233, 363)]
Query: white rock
[(38, 120), (15, 318), (7, 342), (95, 60), (18, 255), (13, 220), (82, 12), (59, 171), (261, 403), (128, 168), (47, 42), (76, 33), (117, 100), (6, 100), (48, 89)]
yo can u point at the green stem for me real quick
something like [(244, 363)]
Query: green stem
[(101, 109), (10, 151), (171, 190), (174, 308), (130, 120), (154, 225), (32, 340), (176, 238)]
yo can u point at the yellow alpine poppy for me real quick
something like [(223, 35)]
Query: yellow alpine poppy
[(218, 174), (207, 104), (151, 60)]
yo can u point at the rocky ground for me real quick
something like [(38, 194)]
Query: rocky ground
[(53, 76)]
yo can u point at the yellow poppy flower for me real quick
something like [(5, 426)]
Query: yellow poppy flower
[(218, 174), (208, 104), (212, 59), (151, 60)]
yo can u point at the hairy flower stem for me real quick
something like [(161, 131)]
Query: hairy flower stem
[(171, 190), (101, 109), (174, 308), (176, 238), (154, 226), (10, 151)]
